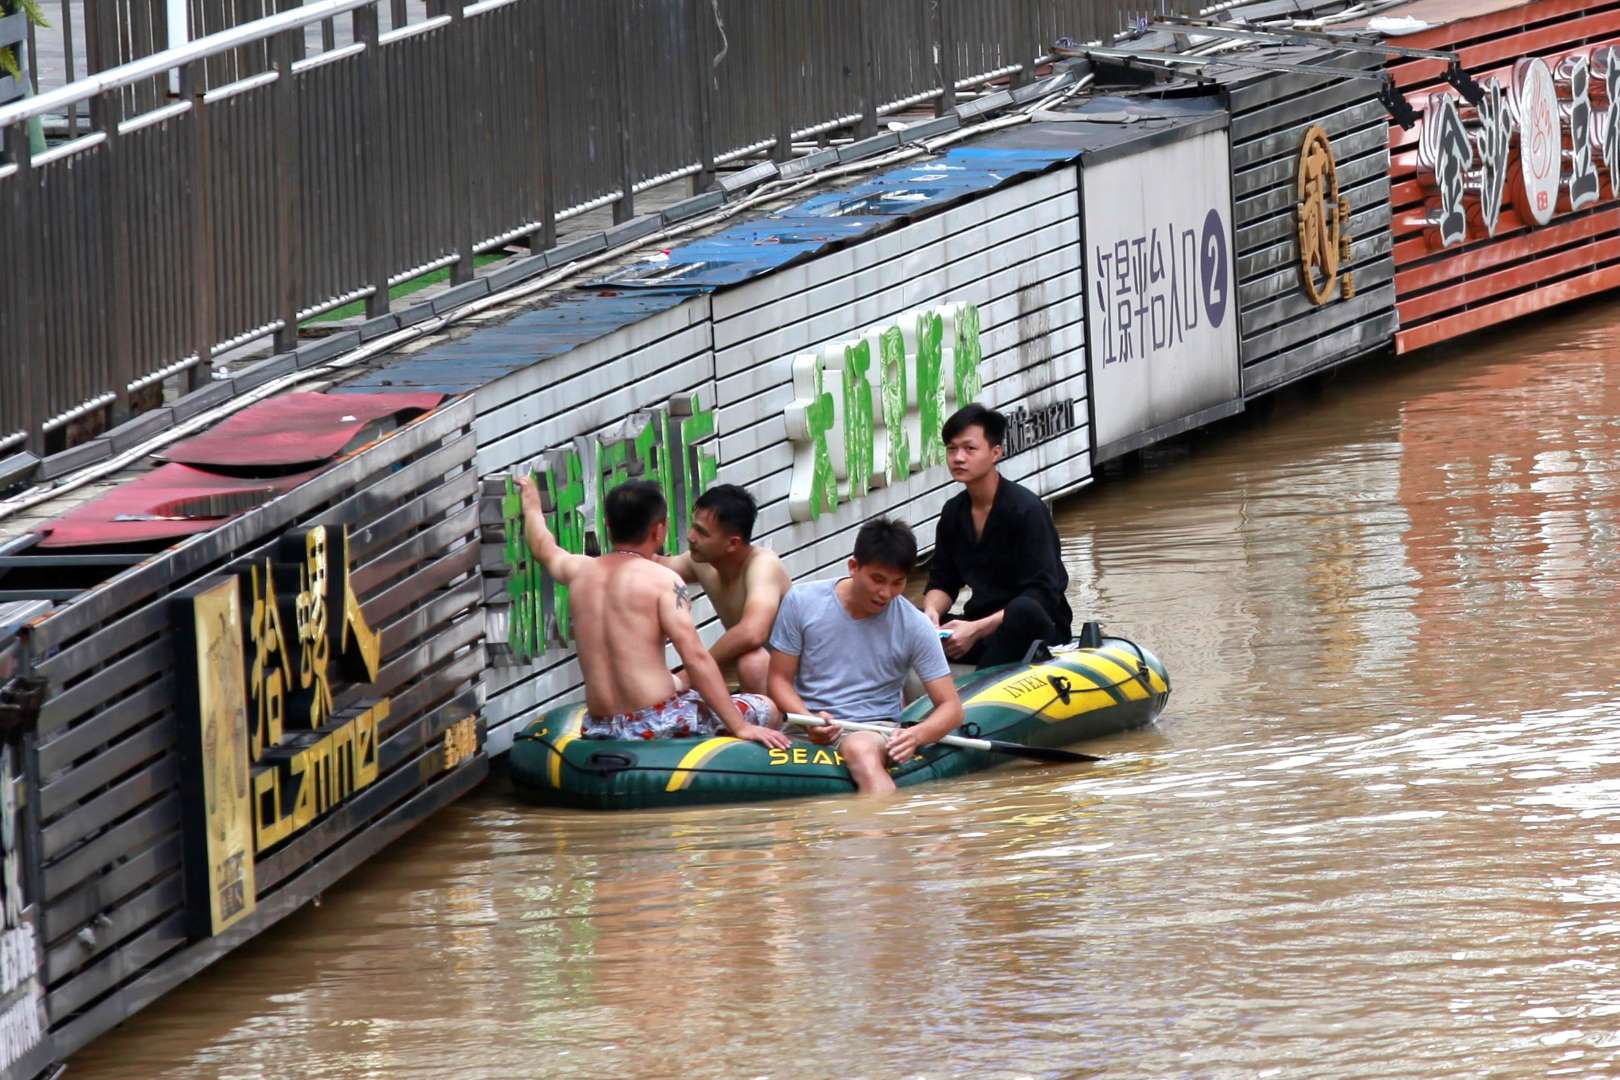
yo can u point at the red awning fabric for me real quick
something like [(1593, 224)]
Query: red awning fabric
[(169, 502), (295, 429)]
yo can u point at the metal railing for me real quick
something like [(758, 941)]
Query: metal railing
[(225, 189)]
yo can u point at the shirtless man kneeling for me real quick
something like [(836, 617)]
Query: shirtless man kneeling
[(743, 582), (625, 607)]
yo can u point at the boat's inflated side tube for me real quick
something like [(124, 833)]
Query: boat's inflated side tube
[(1078, 694)]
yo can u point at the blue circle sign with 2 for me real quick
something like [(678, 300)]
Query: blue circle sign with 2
[(1213, 264)]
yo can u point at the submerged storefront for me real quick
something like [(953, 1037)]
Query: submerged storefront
[(1505, 185)]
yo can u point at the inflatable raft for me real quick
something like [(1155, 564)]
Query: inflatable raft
[(1080, 693)]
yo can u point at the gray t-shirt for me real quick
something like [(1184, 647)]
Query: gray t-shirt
[(855, 668)]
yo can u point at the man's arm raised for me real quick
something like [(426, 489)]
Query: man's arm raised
[(561, 564), (675, 618)]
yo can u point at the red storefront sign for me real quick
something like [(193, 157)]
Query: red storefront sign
[(1507, 206)]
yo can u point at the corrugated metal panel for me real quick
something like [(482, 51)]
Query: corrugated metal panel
[(171, 501), (110, 818), (1480, 278), (1285, 333), (482, 359), (297, 429), (751, 249)]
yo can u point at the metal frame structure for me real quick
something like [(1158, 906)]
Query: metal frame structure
[(283, 180)]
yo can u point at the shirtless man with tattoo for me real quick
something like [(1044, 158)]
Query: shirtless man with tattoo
[(625, 607), (744, 583)]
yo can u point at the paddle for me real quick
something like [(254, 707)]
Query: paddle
[(1050, 755)]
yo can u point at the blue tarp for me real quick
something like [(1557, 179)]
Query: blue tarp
[(758, 246)]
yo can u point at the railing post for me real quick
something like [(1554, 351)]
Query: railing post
[(30, 342), (867, 76), (777, 53), (193, 84), (625, 208), (373, 175), (117, 314), (947, 60), (547, 236), (458, 69), (1028, 14), (703, 106), (285, 148)]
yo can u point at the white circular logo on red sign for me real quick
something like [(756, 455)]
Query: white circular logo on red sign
[(1541, 143)]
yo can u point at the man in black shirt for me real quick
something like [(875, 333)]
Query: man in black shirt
[(997, 538)]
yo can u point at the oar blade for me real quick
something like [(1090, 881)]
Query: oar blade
[(1050, 755)]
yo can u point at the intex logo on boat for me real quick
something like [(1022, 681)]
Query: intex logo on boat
[(866, 411), (1465, 156)]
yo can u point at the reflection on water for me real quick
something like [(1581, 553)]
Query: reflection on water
[(1376, 834)]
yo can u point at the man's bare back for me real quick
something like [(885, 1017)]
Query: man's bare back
[(625, 608), (618, 637)]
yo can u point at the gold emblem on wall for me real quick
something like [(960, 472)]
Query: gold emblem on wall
[(1323, 216)]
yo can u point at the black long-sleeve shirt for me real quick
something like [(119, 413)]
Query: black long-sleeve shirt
[(1017, 555)]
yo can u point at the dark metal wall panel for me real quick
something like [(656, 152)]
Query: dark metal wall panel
[(1286, 334), (117, 925)]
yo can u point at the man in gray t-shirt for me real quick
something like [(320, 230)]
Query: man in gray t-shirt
[(842, 649)]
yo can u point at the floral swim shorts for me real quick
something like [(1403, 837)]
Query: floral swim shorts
[(683, 716)]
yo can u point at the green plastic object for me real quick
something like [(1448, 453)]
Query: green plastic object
[(1079, 694)]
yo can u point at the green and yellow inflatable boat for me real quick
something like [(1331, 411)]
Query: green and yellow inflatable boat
[(1080, 693)]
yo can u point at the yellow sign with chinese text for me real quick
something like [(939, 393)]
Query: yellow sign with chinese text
[(216, 617)]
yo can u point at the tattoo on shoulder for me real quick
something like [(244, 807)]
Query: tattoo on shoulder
[(683, 598)]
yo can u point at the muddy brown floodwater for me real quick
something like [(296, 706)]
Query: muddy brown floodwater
[(1375, 834)]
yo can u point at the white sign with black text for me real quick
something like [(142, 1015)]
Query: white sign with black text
[(1162, 310)]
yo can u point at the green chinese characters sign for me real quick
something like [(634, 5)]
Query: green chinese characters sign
[(663, 445), (867, 411)]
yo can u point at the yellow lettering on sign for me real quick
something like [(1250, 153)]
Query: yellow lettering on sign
[(291, 794), (269, 677), (801, 756), (779, 756), (315, 645), (822, 758), (460, 742), (359, 639)]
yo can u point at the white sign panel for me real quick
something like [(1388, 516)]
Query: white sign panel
[(1162, 316)]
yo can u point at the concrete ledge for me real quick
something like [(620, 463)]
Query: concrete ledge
[(820, 159), (17, 470), (757, 174), (577, 249), (262, 372), (928, 129), (376, 328), (976, 108), (414, 314), (77, 458), (634, 229), (200, 401), (137, 430), (691, 208), (517, 272), (467, 292), (872, 147), (328, 348)]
